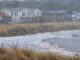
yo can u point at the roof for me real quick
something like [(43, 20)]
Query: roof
[(2, 14), (55, 11), (19, 9)]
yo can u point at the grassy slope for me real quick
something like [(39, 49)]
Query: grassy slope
[(19, 54), (29, 28)]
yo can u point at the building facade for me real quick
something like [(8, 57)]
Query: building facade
[(18, 13)]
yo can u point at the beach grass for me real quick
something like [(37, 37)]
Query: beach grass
[(12, 29), (27, 54)]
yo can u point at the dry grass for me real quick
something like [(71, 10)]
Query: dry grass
[(25, 54), (29, 28)]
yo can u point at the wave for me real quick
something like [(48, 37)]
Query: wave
[(59, 42)]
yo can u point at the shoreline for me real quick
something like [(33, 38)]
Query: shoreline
[(32, 28), (37, 43), (40, 33)]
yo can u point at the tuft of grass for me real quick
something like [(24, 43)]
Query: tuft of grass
[(27, 54), (30, 28)]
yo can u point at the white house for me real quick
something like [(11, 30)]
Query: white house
[(76, 16), (14, 13), (17, 13), (37, 12)]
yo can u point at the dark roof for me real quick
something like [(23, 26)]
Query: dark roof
[(2, 14), (55, 11)]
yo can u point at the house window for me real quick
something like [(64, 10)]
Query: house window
[(12, 13), (16, 13), (23, 13), (7, 12)]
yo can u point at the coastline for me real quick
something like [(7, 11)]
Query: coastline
[(32, 28), (35, 42)]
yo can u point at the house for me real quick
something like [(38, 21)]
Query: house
[(18, 13), (56, 15), (4, 18), (61, 15), (1, 15), (53, 12), (76, 16), (37, 12)]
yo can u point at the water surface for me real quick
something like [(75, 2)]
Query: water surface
[(65, 42)]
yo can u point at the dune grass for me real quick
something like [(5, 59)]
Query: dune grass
[(30, 28), (26, 54)]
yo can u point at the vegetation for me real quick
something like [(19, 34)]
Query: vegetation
[(27, 54), (12, 29)]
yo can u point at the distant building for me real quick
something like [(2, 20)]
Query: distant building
[(2, 14), (18, 13), (55, 14), (76, 16), (4, 18), (62, 14)]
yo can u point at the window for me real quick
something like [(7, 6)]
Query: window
[(16, 13), (12, 13), (23, 13), (7, 12)]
